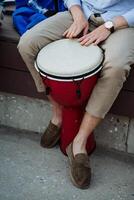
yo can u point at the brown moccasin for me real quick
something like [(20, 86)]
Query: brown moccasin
[(51, 136), (80, 171)]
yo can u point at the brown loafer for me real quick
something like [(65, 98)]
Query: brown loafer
[(80, 171), (51, 136)]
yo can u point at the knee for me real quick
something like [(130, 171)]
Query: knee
[(28, 44), (116, 67), (24, 44), (115, 74)]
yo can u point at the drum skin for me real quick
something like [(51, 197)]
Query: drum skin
[(65, 93)]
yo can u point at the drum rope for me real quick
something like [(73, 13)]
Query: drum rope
[(48, 89), (78, 89)]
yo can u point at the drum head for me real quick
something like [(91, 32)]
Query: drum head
[(66, 59)]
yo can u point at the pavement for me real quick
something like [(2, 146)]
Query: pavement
[(30, 172)]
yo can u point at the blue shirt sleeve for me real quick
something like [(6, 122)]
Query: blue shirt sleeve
[(129, 17), (69, 3)]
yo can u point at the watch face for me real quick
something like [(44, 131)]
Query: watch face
[(109, 24)]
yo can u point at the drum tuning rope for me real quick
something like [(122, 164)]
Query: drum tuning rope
[(46, 82), (78, 89)]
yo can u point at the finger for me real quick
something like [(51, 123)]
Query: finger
[(88, 38), (71, 32), (82, 38), (85, 31), (64, 34), (90, 41), (85, 36), (85, 41), (68, 31), (97, 41), (78, 30)]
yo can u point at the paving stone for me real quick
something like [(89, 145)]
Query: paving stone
[(130, 143), (112, 132)]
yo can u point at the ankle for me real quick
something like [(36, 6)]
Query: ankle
[(56, 115), (56, 121), (79, 145), (79, 139)]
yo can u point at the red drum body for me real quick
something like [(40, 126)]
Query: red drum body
[(70, 88), (73, 93), (65, 93)]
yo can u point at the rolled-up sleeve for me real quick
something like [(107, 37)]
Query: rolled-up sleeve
[(129, 17), (69, 3)]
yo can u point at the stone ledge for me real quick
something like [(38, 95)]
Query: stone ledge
[(23, 112), (115, 132)]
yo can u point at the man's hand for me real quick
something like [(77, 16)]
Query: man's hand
[(96, 36), (80, 23), (100, 34), (76, 28)]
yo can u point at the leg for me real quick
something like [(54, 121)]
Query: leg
[(40, 35), (34, 39), (56, 112), (119, 55), (89, 123)]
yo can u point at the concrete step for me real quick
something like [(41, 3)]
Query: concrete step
[(30, 172), (24, 113)]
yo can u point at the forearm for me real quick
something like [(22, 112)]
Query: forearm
[(124, 21), (129, 17), (76, 12), (120, 22)]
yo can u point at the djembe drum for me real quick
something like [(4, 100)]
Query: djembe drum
[(69, 72)]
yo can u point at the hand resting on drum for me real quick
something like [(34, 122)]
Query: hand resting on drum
[(96, 36), (100, 34), (80, 24)]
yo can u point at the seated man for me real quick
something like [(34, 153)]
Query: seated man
[(105, 23)]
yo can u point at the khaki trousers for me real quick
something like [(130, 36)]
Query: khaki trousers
[(119, 55)]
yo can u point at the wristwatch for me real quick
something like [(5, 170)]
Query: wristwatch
[(110, 26)]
